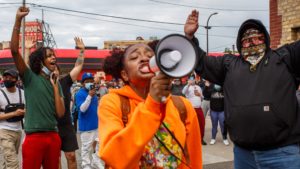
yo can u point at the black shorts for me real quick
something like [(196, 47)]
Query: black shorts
[(68, 138)]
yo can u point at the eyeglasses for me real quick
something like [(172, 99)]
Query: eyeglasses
[(253, 41)]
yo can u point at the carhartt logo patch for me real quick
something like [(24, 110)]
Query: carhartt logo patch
[(266, 108)]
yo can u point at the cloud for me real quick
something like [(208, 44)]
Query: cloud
[(65, 27)]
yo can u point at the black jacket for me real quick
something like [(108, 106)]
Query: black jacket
[(260, 106)]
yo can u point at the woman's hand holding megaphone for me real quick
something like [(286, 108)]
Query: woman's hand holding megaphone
[(160, 87)]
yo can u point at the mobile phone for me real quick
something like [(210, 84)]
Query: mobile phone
[(53, 78), (92, 87)]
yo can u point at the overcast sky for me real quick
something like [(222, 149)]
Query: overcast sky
[(96, 29)]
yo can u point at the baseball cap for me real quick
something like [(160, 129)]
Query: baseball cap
[(86, 75), (11, 72)]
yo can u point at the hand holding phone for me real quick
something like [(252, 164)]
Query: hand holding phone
[(53, 78)]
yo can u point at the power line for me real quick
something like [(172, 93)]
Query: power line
[(5, 7), (118, 17), (129, 24), (111, 16), (201, 7), (123, 23), (9, 3), (103, 15)]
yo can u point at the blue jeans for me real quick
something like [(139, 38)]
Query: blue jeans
[(287, 157), (217, 117)]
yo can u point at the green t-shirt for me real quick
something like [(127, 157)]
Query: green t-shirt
[(40, 113)]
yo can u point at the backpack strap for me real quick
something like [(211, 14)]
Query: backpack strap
[(180, 106), (20, 95), (125, 108), (4, 94)]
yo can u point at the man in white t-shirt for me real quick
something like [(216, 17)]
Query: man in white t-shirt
[(10, 130), (193, 93)]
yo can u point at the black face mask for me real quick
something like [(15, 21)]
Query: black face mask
[(9, 83)]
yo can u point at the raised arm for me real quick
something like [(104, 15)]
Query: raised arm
[(191, 25), (208, 67), (28, 45), (20, 64), (80, 59)]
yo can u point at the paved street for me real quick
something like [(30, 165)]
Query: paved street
[(216, 156)]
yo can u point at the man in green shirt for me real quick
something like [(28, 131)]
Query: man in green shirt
[(44, 100)]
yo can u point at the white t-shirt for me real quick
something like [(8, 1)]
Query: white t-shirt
[(189, 92), (13, 98)]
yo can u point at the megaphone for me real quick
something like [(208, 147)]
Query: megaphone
[(175, 56)]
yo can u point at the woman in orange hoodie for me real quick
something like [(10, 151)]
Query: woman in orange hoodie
[(153, 134)]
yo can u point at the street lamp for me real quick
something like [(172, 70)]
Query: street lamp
[(207, 28)]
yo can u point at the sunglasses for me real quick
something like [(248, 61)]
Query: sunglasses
[(253, 41)]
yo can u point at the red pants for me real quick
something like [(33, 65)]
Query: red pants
[(201, 121), (41, 149)]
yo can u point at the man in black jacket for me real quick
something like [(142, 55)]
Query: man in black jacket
[(261, 109)]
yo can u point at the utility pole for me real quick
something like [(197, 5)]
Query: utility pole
[(48, 38), (23, 32), (43, 42), (207, 28)]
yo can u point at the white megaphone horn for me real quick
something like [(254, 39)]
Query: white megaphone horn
[(175, 56)]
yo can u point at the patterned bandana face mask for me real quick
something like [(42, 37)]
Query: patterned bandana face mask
[(253, 47)]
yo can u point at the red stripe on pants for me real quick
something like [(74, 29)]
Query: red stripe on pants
[(201, 120), (41, 149)]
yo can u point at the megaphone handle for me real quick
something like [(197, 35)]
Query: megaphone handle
[(163, 99)]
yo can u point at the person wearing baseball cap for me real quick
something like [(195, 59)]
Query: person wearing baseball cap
[(87, 101), (10, 127), (86, 76), (10, 82), (11, 72)]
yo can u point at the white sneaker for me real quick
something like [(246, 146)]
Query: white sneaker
[(226, 142), (212, 141)]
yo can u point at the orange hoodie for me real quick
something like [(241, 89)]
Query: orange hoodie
[(122, 147)]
